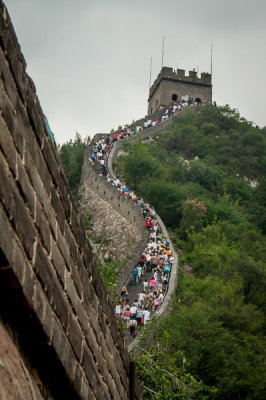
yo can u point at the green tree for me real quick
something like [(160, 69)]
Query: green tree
[(71, 156)]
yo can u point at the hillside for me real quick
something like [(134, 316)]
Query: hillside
[(206, 179)]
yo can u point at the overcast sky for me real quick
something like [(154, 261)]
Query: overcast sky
[(90, 59)]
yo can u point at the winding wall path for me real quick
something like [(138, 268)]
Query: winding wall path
[(130, 211)]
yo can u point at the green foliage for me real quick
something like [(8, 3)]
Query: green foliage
[(71, 156), (166, 378), (109, 272), (217, 324), (86, 221), (138, 165)]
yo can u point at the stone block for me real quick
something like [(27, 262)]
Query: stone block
[(75, 336), (86, 392), (16, 209), (43, 226), (6, 236), (76, 279), (25, 186), (63, 246), (28, 282), (7, 146), (71, 240), (58, 261), (33, 157), (51, 285), (39, 301), (71, 292), (58, 208), (50, 156)]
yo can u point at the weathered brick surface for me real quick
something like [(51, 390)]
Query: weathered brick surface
[(57, 284), (12, 364)]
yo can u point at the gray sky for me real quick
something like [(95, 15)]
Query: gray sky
[(90, 59)]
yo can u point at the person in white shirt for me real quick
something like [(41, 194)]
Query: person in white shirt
[(146, 315), (133, 311), (141, 298)]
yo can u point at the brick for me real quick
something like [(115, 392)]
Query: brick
[(50, 156), (78, 379), (19, 263), (16, 209), (75, 336), (63, 247), (48, 321), (58, 261), (7, 146), (71, 365), (71, 240), (33, 156), (63, 189), (6, 235), (8, 81), (28, 282), (36, 181), (25, 186), (76, 279), (71, 292), (39, 301), (58, 208), (87, 259), (89, 367), (86, 392), (50, 283), (43, 227), (58, 338), (35, 118)]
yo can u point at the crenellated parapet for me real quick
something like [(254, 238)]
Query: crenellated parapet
[(175, 85)]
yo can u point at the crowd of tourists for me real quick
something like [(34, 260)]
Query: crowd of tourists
[(155, 263), (157, 260)]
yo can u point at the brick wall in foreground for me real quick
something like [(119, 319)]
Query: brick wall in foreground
[(52, 301)]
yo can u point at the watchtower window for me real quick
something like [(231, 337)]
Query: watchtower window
[(198, 100), (174, 97), (156, 102)]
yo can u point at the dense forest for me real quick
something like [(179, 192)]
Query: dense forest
[(206, 178)]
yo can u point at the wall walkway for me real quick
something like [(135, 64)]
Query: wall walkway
[(129, 210)]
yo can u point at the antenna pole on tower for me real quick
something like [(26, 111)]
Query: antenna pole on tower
[(162, 51), (211, 58), (150, 74)]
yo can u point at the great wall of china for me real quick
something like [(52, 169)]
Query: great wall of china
[(58, 333)]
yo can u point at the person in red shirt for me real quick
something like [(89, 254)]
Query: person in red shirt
[(148, 223)]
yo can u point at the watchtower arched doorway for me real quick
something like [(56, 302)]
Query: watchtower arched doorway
[(174, 97)]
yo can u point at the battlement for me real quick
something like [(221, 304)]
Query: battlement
[(174, 85), (179, 75)]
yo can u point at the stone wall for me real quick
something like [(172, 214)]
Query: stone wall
[(114, 217), (51, 299)]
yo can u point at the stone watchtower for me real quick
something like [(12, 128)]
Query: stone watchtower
[(171, 85)]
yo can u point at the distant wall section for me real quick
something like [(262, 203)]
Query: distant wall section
[(114, 217)]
